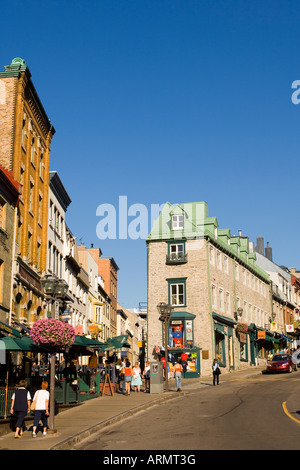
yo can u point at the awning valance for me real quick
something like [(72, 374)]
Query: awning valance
[(224, 320), (182, 316), (9, 329)]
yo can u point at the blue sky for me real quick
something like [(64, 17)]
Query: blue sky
[(168, 101)]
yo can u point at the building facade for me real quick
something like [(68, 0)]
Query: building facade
[(284, 301), (108, 270), (9, 197), (220, 297), (26, 134)]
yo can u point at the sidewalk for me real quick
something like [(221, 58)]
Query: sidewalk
[(77, 423)]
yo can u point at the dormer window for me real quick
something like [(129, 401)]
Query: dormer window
[(177, 222)]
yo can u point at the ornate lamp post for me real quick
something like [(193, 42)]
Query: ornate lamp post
[(54, 290), (165, 311)]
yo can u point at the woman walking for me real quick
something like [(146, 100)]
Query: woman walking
[(127, 377), (137, 379), (216, 371), (41, 412), (20, 406), (178, 375), (146, 376)]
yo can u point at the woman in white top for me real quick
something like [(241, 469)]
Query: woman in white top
[(41, 398)]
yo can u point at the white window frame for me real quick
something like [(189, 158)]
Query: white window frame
[(177, 222)]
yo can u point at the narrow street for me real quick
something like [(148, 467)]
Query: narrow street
[(244, 414)]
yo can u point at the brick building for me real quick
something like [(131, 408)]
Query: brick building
[(9, 196), (25, 136), (220, 297), (108, 270)]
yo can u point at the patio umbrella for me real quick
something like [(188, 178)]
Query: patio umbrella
[(10, 343), (86, 342), (85, 346), (25, 343)]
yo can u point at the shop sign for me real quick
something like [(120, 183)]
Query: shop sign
[(79, 330), (261, 335), (205, 354), (273, 326), (93, 328), (290, 328), (243, 338)]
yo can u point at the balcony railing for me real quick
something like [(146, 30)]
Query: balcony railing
[(176, 258)]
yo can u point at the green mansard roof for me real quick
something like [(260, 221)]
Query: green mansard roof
[(197, 224)]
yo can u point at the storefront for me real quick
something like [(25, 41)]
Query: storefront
[(224, 340), (181, 342), (265, 343)]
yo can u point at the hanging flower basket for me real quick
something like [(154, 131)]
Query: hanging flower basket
[(242, 328), (52, 333)]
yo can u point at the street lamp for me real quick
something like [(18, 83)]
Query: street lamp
[(238, 314), (54, 289), (165, 311)]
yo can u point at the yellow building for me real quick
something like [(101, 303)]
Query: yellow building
[(26, 134)]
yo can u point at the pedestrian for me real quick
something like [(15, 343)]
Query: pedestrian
[(127, 377), (122, 374), (41, 412), (146, 376), (178, 375), (20, 406), (137, 379), (216, 371)]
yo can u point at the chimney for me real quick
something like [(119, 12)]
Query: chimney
[(268, 252), (260, 245)]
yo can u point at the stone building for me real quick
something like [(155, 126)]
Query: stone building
[(220, 297), (25, 134)]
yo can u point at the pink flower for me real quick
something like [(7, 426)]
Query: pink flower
[(52, 332)]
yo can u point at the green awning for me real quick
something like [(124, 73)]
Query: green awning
[(268, 338), (9, 329), (86, 342), (20, 344), (221, 332), (224, 320), (182, 316), (118, 342)]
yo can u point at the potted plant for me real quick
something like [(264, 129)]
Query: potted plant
[(53, 334), (241, 327)]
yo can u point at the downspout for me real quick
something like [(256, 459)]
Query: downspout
[(235, 309), (147, 335), (13, 263), (210, 304)]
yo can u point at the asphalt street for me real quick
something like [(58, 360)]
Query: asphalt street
[(239, 414)]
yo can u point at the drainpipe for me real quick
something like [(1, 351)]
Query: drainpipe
[(235, 309), (13, 263), (209, 296)]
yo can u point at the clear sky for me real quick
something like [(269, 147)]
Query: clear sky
[(169, 100)]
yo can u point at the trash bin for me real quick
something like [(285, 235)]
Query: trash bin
[(156, 377)]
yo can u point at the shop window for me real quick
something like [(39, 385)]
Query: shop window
[(243, 348), (220, 347), (181, 334)]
